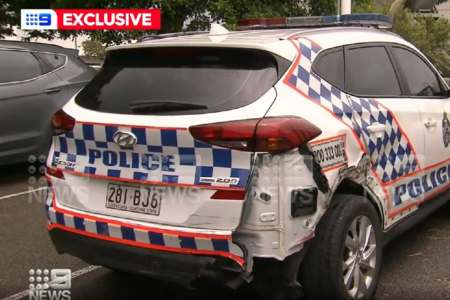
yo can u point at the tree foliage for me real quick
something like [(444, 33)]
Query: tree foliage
[(197, 14), (431, 36), (175, 13), (93, 48)]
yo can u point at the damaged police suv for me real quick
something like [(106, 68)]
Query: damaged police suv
[(285, 155)]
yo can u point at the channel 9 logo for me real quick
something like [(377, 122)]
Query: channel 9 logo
[(38, 19), (50, 284)]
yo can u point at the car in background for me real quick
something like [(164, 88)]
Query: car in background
[(36, 80)]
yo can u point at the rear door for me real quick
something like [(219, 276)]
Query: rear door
[(389, 121), (27, 91), (131, 147)]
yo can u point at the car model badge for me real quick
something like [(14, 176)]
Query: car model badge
[(446, 130), (125, 139)]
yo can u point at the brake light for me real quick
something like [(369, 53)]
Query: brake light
[(54, 173), (272, 134), (62, 123), (228, 195)]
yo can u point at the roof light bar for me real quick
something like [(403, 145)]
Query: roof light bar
[(375, 20)]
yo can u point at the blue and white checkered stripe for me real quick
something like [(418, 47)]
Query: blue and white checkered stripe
[(195, 159), (127, 233), (392, 155)]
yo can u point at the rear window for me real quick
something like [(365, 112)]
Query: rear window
[(54, 61), (197, 80)]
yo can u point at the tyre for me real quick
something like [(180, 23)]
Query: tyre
[(344, 258)]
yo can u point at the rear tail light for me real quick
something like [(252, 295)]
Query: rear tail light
[(62, 123), (273, 134), (55, 173), (228, 195)]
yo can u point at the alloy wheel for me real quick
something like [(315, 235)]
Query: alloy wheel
[(360, 259)]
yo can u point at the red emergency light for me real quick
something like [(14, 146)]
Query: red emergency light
[(374, 20)]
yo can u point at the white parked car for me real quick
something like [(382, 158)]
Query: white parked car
[(286, 154)]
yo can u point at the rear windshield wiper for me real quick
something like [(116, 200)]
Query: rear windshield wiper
[(165, 105)]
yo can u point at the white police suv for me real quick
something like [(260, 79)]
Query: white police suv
[(286, 154)]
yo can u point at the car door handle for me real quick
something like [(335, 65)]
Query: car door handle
[(51, 91), (430, 123), (375, 128)]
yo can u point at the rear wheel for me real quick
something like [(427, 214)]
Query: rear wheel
[(344, 259)]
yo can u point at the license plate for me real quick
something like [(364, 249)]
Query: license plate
[(134, 199)]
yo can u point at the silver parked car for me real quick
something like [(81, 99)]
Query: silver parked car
[(36, 80)]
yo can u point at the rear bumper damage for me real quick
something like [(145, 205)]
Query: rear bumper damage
[(183, 255), (180, 268), (263, 249), (146, 237)]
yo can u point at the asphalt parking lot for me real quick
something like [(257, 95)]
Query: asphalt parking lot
[(417, 266)]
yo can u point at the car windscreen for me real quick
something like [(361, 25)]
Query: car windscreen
[(179, 80)]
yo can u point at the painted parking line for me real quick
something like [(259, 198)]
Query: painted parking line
[(22, 193), (73, 275)]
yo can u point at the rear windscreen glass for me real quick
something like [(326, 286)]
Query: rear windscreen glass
[(193, 80)]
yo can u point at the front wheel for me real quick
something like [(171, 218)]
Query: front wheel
[(344, 258)]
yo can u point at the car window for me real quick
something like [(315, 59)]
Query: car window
[(421, 79), (54, 61), (369, 72), (18, 66), (216, 79), (330, 66)]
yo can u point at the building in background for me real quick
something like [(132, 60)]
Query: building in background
[(429, 7), (444, 10)]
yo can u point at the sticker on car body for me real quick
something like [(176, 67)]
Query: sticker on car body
[(227, 180), (330, 153), (64, 163)]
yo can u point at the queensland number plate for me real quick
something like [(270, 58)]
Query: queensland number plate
[(134, 199)]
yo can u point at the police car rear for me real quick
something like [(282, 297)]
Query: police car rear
[(130, 145), (158, 151)]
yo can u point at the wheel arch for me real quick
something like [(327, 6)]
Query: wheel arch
[(348, 186)]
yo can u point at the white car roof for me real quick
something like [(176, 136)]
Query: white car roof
[(327, 37), (277, 40)]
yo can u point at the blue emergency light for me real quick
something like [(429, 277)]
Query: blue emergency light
[(368, 19)]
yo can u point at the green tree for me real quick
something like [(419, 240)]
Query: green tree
[(175, 13), (431, 36), (93, 48), (10, 17), (329, 7)]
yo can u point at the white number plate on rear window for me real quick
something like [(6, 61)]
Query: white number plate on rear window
[(134, 199)]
